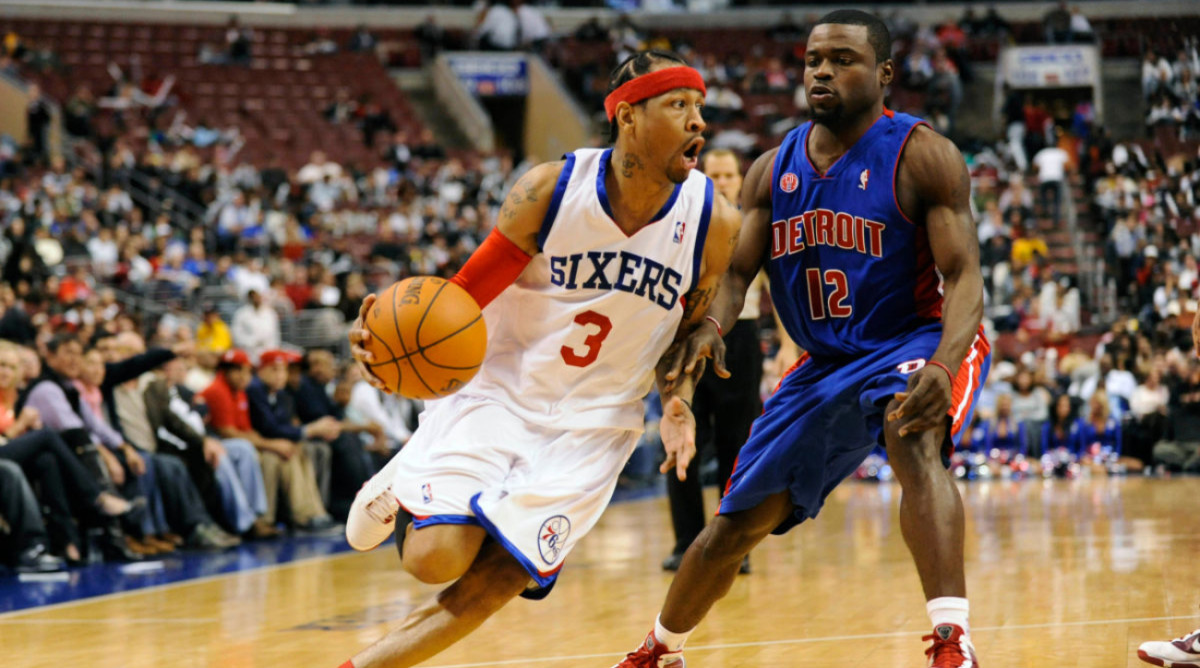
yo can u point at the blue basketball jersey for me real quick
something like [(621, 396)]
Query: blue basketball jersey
[(849, 271)]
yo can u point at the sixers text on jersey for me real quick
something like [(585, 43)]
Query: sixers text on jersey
[(631, 273)]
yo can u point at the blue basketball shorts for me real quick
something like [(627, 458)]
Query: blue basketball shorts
[(827, 415)]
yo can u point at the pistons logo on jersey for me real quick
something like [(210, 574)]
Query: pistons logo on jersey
[(552, 538), (789, 182)]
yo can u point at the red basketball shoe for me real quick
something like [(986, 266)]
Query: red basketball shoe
[(951, 648), (1179, 653), (652, 654)]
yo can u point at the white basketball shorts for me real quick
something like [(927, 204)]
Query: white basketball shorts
[(536, 490)]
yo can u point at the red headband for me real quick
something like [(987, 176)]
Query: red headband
[(652, 85)]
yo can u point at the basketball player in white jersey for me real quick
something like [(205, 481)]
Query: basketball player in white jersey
[(596, 265)]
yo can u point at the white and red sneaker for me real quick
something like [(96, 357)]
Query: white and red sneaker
[(652, 654), (1179, 653), (951, 648), (372, 516)]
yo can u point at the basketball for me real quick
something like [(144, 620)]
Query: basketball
[(428, 337)]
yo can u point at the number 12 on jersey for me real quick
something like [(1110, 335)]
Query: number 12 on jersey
[(835, 306), (598, 327)]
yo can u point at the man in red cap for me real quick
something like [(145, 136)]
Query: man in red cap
[(282, 461)]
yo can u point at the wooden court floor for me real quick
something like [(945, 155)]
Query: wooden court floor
[(1061, 573)]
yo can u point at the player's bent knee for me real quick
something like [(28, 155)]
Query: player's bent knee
[(440, 554), (437, 566), (730, 539), (914, 452)]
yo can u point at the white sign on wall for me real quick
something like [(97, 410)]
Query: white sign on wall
[(1067, 66)]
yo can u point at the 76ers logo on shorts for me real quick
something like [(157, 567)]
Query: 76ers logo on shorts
[(789, 182), (552, 538)]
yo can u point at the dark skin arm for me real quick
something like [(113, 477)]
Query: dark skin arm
[(678, 425), (934, 187), (749, 252)]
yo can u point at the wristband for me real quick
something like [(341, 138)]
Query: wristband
[(716, 322), (943, 367)]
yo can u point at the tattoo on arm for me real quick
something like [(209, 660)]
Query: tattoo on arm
[(630, 162), (697, 302), (509, 210)]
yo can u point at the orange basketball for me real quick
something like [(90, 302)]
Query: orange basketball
[(428, 337)]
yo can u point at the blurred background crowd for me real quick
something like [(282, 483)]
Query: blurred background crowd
[(181, 256)]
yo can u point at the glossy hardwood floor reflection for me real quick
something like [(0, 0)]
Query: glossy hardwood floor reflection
[(1061, 573)]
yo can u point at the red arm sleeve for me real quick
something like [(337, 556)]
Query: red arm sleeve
[(491, 268)]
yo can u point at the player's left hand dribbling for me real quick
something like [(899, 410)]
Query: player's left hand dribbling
[(925, 402), (360, 336), (678, 430)]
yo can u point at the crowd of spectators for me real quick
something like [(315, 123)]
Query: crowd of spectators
[(164, 326)]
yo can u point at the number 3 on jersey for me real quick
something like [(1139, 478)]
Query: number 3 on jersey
[(598, 327), (837, 306)]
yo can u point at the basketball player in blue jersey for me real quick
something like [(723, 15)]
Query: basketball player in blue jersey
[(863, 220), (597, 265)]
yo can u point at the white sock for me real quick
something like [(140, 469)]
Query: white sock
[(673, 641), (949, 610)]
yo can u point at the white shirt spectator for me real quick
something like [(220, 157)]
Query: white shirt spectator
[(1079, 24), (255, 330), (236, 216), (140, 269), (534, 27), (118, 201), (104, 253), (250, 278), (1146, 401), (499, 27), (318, 168), (1119, 385), (1051, 163), (368, 404)]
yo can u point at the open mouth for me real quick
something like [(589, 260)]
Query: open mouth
[(691, 152)]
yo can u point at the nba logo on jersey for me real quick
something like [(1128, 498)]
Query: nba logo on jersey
[(680, 226), (863, 178), (427, 493), (553, 537)]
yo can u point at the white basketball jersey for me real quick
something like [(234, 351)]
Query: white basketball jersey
[(573, 342)]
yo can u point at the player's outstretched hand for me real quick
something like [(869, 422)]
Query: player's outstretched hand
[(925, 402), (360, 336), (703, 343), (678, 430)]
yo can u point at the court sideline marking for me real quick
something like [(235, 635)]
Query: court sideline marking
[(803, 641), (4, 616)]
